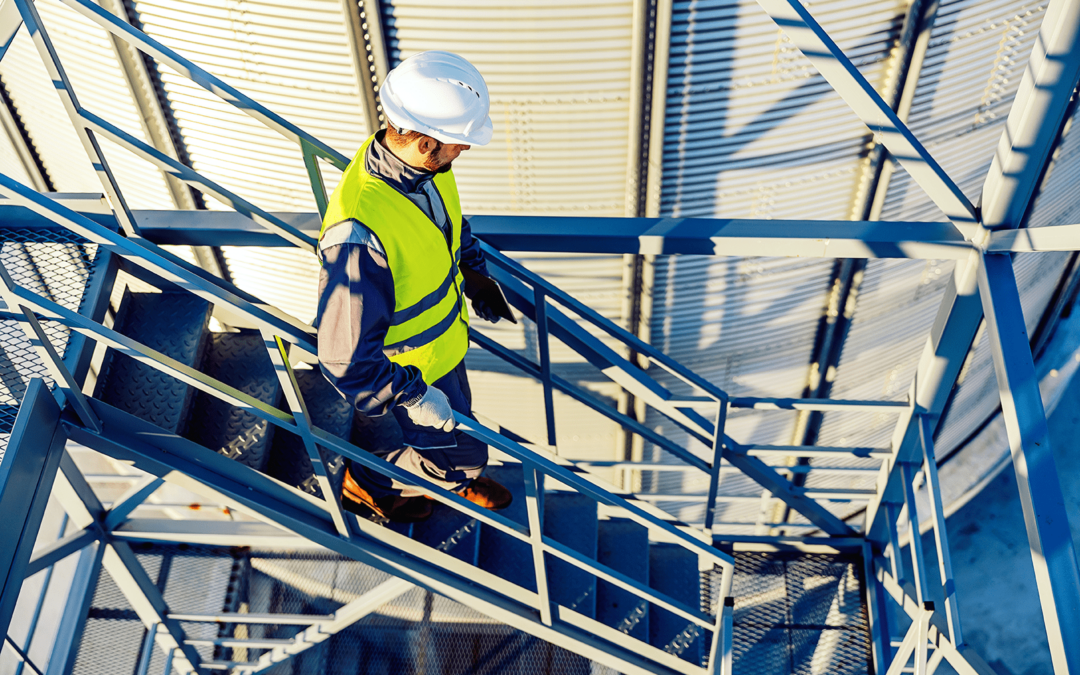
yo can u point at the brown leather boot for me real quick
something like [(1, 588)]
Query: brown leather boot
[(356, 499), (485, 492)]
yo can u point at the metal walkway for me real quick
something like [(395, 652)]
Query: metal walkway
[(602, 574)]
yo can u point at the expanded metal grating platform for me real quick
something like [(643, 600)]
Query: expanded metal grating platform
[(795, 613), (57, 264)]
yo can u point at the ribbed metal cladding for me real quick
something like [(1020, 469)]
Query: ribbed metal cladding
[(559, 77), (292, 57), (98, 81), (752, 131), (10, 163)]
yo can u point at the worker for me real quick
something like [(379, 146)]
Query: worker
[(393, 323)]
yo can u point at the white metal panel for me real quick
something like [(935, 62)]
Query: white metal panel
[(97, 78), (292, 57)]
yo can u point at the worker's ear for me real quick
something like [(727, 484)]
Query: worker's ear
[(426, 145)]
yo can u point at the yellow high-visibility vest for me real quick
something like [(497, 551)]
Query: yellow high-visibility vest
[(430, 325)]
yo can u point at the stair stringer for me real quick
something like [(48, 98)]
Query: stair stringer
[(188, 465)]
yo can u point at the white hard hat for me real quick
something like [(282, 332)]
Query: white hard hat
[(440, 95)]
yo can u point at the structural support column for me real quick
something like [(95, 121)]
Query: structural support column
[(1045, 516), (1032, 130), (26, 479)]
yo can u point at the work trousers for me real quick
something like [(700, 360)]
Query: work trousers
[(449, 459)]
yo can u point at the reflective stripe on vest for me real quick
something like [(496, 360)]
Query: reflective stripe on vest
[(430, 325)]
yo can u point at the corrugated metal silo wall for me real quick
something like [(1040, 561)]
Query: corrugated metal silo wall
[(294, 58), (977, 54), (753, 131), (559, 78), (97, 79)]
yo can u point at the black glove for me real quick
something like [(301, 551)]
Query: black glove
[(481, 304)]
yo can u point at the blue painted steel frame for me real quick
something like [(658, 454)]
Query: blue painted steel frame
[(26, 478)]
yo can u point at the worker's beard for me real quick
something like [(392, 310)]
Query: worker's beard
[(436, 161)]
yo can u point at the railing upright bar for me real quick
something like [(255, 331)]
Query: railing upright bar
[(714, 470), (896, 557), (315, 177), (295, 398), (147, 651), (917, 561), (536, 539), (941, 537), (587, 399), (196, 180), (544, 347)]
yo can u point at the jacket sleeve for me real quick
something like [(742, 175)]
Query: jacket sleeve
[(356, 300), (472, 256)]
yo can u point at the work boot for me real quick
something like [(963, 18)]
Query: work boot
[(487, 493), (394, 508)]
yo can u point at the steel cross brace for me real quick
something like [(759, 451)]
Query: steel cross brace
[(85, 511), (808, 35)]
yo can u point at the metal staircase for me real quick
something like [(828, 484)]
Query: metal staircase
[(599, 572)]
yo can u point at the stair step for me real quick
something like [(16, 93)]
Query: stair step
[(241, 361), (451, 532), (570, 519), (499, 553), (623, 545), (171, 323), (673, 570), (289, 461)]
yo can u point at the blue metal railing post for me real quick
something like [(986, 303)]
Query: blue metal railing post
[(536, 538), (544, 346), (717, 457)]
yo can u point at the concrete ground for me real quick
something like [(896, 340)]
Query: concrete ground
[(995, 581)]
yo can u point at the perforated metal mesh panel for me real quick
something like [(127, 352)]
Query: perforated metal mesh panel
[(797, 613), (57, 265)]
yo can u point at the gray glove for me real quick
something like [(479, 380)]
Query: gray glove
[(431, 410)]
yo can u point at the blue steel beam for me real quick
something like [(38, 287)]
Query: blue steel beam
[(26, 479), (580, 234), (1045, 515)]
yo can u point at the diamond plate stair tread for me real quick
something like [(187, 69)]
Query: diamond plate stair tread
[(500, 553), (673, 570), (450, 531), (241, 361), (289, 461), (623, 545), (570, 519), (171, 323)]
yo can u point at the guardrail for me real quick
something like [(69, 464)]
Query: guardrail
[(297, 420)]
